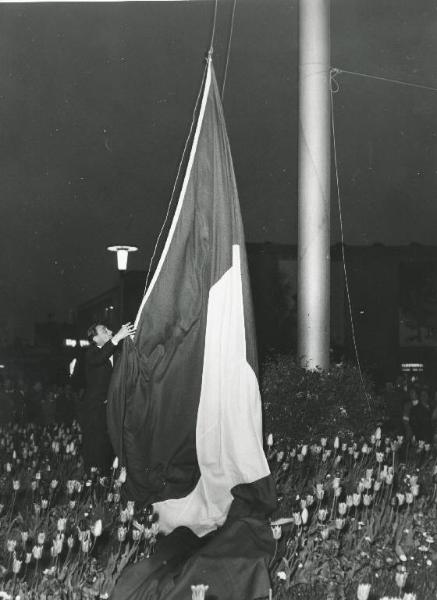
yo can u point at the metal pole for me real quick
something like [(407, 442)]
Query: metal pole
[(314, 185), (122, 292)]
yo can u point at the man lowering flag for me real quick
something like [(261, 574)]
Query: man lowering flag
[(184, 409)]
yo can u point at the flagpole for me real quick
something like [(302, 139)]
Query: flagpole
[(314, 185)]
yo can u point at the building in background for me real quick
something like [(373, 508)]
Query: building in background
[(392, 292)]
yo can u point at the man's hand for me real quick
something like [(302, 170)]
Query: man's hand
[(125, 330)]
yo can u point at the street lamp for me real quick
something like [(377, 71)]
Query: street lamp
[(122, 256)]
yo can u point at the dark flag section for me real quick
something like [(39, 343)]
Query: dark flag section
[(184, 409)]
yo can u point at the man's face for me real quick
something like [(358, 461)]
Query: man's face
[(102, 336)]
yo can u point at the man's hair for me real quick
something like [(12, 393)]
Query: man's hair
[(92, 331)]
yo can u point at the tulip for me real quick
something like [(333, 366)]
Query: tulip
[(11, 545), (367, 499), (363, 591), (401, 498), (57, 546), (37, 552), (322, 514), (198, 591), (16, 566), (324, 533), (304, 516), (121, 533), (122, 476), (16, 485), (336, 482), (309, 499), (62, 522), (339, 523), (124, 516), (97, 528), (270, 440), (24, 537), (130, 508), (337, 443), (409, 498), (70, 486), (276, 532), (70, 541), (401, 578), (297, 518), (28, 558), (41, 538), (342, 508), (85, 545), (304, 450)]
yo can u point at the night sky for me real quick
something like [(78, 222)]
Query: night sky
[(96, 101)]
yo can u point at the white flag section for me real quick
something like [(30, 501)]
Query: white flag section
[(229, 421)]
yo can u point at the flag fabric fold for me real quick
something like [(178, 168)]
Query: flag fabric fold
[(184, 409)]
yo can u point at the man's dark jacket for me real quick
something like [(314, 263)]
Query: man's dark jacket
[(98, 371), (97, 449)]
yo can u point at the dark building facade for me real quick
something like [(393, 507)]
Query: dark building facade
[(391, 300)]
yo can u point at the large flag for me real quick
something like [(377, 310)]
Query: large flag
[(184, 412)]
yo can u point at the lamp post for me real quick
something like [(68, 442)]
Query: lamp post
[(122, 257)]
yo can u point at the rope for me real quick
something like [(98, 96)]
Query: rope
[(193, 120), (211, 45), (340, 214), (336, 71), (228, 51)]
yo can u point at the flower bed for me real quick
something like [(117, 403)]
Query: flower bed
[(63, 534), (350, 512), (355, 513)]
